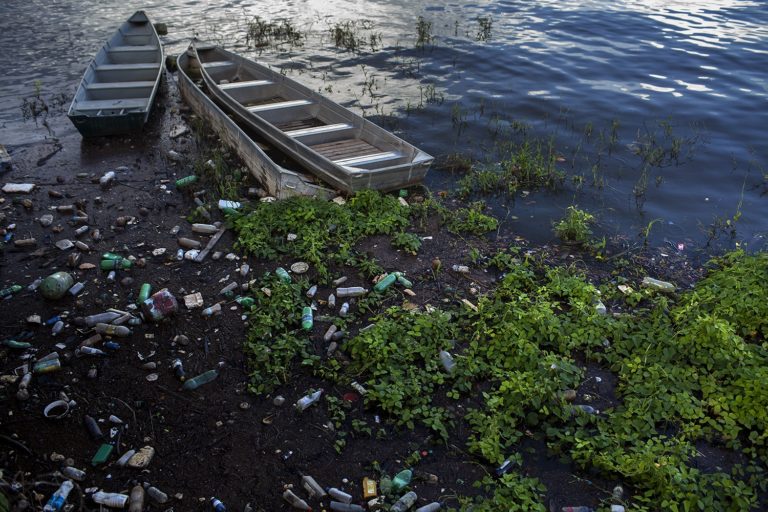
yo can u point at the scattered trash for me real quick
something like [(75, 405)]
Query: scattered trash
[(354, 291), (299, 267), (160, 305), (141, 458), (339, 495), (369, 488), (193, 300), (313, 488), (662, 286), (55, 286), (18, 188), (405, 502), (203, 378), (402, 479), (59, 498), (295, 501), (308, 400)]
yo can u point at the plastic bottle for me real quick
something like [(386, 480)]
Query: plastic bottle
[(246, 302), (56, 285), (203, 378), (115, 264), (405, 502), (110, 499), (329, 333), (156, 494), (89, 351), (120, 331), (137, 498), (353, 291), (402, 479), (403, 281), (656, 284), (431, 507), (588, 409), (210, 311), (295, 501), (73, 473), (308, 400), (59, 497), (313, 488), (344, 309), (227, 290), (385, 283), (7, 292), (339, 495), (143, 293), (461, 269), (217, 505), (57, 328), (205, 229), (577, 509), (178, 369), (346, 507), (306, 318), (283, 274), (76, 289), (447, 359), (186, 181), (123, 460), (312, 291), (331, 301), (104, 318)]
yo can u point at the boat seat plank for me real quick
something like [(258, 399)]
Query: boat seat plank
[(369, 159), (218, 64), (111, 104), (133, 48), (247, 83), (298, 124), (103, 86), (127, 67), (281, 104), (343, 149), (328, 128)]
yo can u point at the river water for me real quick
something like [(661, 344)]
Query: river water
[(657, 109)]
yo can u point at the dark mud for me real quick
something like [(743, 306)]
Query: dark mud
[(218, 440)]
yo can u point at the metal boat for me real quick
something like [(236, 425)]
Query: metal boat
[(119, 86), (340, 147)]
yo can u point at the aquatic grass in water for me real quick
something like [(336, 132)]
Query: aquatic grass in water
[(261, 33)]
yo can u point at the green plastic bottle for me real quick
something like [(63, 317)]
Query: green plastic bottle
[(203, 378), (385, 283), (116, 264), (144, 292), (402, 479), (306, 318), (246, 302), (283, 274), (111, 256), (186, 181), (6, 292), (403, 280)]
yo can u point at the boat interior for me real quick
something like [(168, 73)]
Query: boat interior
[(320, 124), (122, 77)]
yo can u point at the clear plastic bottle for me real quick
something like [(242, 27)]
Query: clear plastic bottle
[(308, 400), (402, 479), (329, 333), (312, 291), (344, 309), (59, 497), (283, 275), (405, 502), (73, 473), (354, 291), (447, 359), (431, 507), (110, 499), (203, 378), (346, 507), (156, 494), (137, 498), (313, 488)]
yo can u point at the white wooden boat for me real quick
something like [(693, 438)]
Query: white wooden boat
[(276, 179), (340, 147), (119, 86)]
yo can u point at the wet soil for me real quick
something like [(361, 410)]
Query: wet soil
[(213, 441)]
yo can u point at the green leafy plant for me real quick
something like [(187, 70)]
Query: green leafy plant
[(574, 227)]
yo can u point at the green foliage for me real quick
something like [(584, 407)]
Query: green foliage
[(408, 242), (273, 342), (470, 220), (325, 231), (513, 493), (574, 227)]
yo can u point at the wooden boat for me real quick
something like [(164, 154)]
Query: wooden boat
[(116, 93), (340, 147), (277, 180)]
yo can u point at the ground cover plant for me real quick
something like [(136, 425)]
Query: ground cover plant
[(689, 368)]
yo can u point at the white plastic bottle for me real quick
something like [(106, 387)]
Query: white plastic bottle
[(308, 400)]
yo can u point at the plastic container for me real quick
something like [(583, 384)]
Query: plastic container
[(283, 274), (461, 269), (73, 473), (186, 181), (136, 500), (353, 291), (431, 507), (59, 497), (344, 309), (110, 499), (656, 284), (369, 488), (122, 263), (402, 280), (156, 494), (295, 501), (203, 378), (120, 331), (217, 505), (385, 283), (144, 293), (447, 359), (312, 291), (56, 285), (402, 479), (7, 292), (105, 318), (339, 495), (306, 318), (308, 400), (405, 502), (313, 488), (329, 333), (160, 305)]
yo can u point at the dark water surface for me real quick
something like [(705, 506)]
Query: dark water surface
[(602, 79)]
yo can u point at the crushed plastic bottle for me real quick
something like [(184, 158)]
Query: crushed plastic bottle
[(402, 479), (110, 499), (308, 400), (405, 502), (295, 501), (59, 498), (461, 269)]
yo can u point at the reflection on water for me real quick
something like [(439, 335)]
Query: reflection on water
[(555, 67)]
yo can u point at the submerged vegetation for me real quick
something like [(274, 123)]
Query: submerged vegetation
[(522, 361)]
